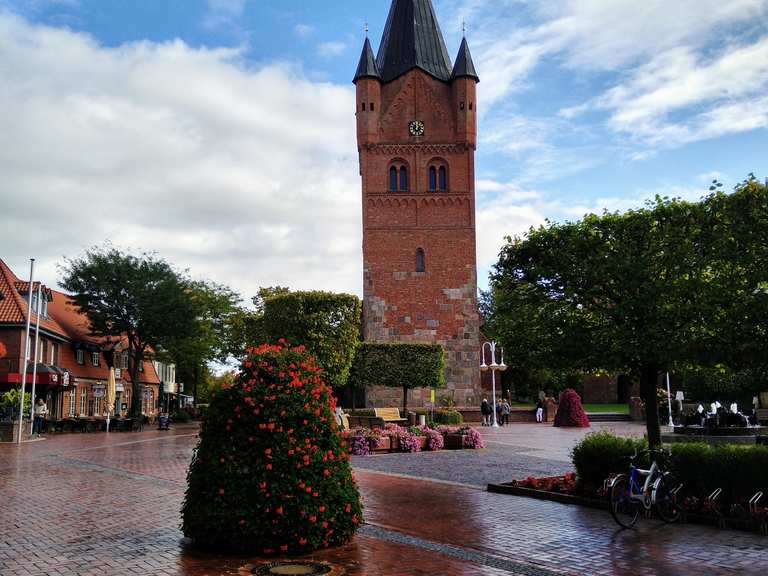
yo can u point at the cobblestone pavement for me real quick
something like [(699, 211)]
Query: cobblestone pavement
[(92, 504), (512, 452)]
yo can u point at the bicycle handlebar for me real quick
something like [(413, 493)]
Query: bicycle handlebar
[(660, 451)]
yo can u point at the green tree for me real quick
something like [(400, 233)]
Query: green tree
[(141, 299), (647, 291), (399, 365), (327, 324), (216, 335)]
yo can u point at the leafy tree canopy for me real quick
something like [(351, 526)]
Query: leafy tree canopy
[(140, 298), (648, 290)]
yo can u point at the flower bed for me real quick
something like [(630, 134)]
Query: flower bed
[(739, 472), (394, 438)]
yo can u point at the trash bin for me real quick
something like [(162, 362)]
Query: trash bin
[(411, 418), (422, 419)]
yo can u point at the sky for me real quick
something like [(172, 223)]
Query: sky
[(221, 133)]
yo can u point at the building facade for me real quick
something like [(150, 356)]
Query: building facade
[(417, 134), (72, 367)]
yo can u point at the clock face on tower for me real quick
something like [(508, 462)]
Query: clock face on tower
[(416, 128)]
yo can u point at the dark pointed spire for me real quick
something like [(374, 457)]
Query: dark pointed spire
[(367, 67), (412, 39), (464, 67)]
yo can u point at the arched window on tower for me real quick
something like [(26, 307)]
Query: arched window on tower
[(393, 179), (437, 175), (403, 179), (420, 261), (443, 178)]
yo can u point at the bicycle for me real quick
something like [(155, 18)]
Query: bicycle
[(659, 491)]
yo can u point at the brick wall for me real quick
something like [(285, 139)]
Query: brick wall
[(439, 304)]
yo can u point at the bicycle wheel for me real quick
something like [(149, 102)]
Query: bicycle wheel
[(666, 499), (624, 509)]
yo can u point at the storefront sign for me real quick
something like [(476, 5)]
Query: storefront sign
[(123, 407), (65, 379), (119, 387), (99, 391)]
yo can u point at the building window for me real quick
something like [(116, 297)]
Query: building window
[(95, 358), (54, 354), (80, 355), (438, 176), (420, 261), (72, 401), (461, 106), (398, 177), (83, 400), (372, 107), (124, 361), (363, 106)]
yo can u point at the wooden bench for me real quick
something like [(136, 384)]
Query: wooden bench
[(762, 415), (390, 415)]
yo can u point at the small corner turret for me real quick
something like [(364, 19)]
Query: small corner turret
[(368, 83), (464, 80)]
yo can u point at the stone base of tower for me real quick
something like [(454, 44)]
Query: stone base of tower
[(462, 350)]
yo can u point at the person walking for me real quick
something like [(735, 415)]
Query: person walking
[(485, 411), (499, 412), (539, 411), (41, 411), (505, 411)]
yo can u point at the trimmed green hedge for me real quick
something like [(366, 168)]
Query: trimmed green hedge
[(327, 324), (399, 365), (601, 454), (741, 471), (444, 417)]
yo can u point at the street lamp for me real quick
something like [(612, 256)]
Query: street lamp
[(493, 367)]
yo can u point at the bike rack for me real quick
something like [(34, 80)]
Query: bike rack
[(753, 508), (712, 499)]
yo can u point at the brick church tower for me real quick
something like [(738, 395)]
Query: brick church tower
[(417, 133)]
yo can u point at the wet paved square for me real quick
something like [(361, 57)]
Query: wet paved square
[(92, 504)]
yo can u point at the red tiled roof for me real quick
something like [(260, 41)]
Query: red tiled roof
[(65, 320), (13, 306)]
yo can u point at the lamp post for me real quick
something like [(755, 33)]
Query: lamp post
[(493, 367)]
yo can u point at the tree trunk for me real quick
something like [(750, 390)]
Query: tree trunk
[(405, 402), (194, 386), (138, 393), (649, 376)]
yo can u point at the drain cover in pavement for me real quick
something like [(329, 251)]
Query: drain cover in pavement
[(296, 569)]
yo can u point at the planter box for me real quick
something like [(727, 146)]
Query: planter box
[(380, 445), (9, 431), (454, 442)]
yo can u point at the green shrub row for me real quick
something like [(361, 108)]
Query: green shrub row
[(399, 365), (741, 471), (440, 417)]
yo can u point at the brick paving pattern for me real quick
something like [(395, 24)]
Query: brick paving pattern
[(92, 504)]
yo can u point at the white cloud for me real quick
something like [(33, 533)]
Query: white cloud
[(221, 13), (245, 176), (331, 49), (653, 59), (303, 30)]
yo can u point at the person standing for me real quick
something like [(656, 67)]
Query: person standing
[(41, 411), (485, 411), (505, 411), (539, 411), (499, 412)]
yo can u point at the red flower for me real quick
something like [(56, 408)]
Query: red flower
[(221, 491), (279, 510)]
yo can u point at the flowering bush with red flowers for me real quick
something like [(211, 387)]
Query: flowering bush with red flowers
[(570, 413), (560, 484), (271, 473)]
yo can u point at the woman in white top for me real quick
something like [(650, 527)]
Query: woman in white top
[(41, 411)]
